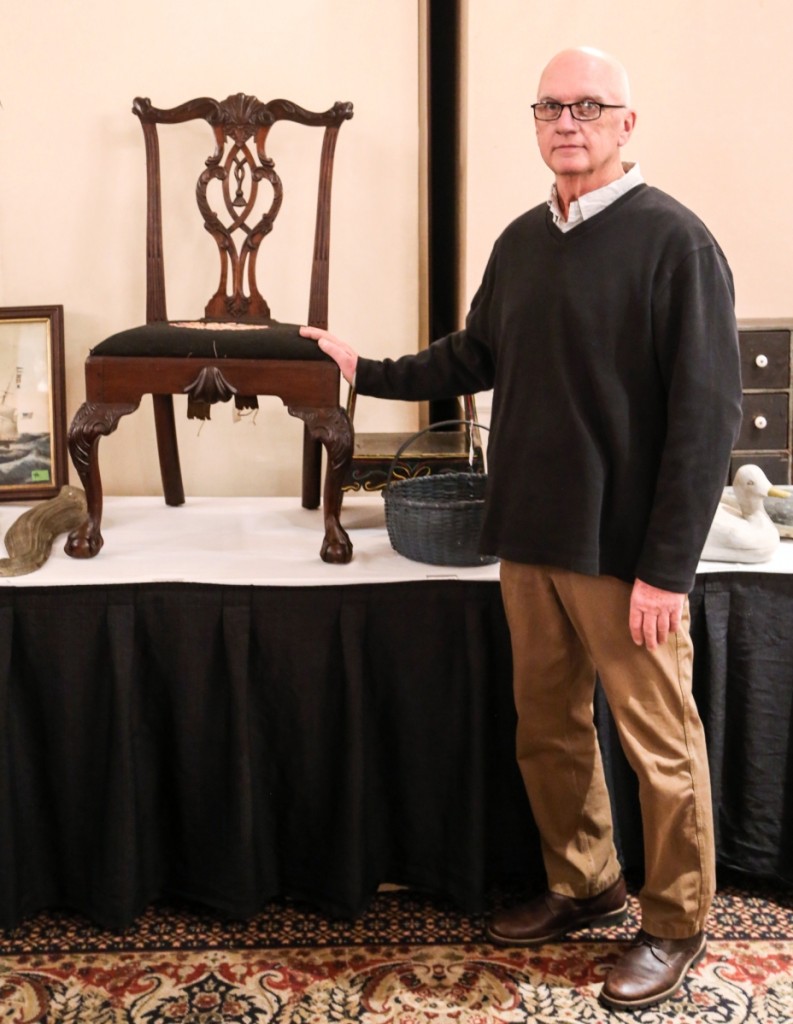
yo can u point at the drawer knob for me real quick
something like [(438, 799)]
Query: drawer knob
[(761, 361), (760, 422)]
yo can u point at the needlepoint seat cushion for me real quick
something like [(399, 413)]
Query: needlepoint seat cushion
[(212, 340)]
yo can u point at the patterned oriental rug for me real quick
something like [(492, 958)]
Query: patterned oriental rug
[(408, 960)]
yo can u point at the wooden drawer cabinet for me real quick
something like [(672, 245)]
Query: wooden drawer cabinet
[(765, 421), (765, 436)]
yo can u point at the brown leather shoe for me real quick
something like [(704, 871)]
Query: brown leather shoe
[(549, 916), (652, 970)]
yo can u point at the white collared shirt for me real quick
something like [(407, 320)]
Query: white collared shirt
[(594, 202)]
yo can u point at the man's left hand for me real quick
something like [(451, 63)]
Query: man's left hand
[(654, 614)]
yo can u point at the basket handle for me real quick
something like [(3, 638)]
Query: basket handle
[(417, 435)]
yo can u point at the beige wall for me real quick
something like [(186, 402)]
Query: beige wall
[(710, 80), (72, 189)]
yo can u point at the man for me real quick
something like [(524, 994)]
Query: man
[(605, 325)]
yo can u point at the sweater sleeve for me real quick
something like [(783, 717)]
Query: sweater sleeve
[(697, 347), (460, 363)]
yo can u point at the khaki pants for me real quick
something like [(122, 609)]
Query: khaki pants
[(565, 627)]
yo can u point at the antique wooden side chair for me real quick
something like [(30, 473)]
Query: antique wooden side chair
[(237, 350)]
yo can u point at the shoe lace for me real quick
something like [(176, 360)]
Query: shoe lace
[(643, 939)]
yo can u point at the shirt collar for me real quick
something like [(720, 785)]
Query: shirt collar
[(596, 201)]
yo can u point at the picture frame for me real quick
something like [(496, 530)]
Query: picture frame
[(33, 456)]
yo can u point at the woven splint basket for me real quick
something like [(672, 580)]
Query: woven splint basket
[(437, 518)]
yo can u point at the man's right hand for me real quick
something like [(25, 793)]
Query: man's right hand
[(338, 350)]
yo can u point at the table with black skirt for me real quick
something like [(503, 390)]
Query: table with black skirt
[(208, 711)]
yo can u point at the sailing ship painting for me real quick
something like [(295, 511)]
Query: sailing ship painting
[(25, 403)]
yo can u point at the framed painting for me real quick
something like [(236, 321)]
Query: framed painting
[(33, 462)]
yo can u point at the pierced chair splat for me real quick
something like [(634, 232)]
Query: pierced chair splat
[(237, 350)]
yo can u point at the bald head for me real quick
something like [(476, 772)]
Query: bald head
[(596, 74), (584, 153)]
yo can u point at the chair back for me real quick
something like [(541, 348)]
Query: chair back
[(227, 191)]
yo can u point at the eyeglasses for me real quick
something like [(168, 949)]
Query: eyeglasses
[(582, 110)]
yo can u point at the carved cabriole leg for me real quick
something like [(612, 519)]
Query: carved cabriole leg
[(92, 421), (332, 427)]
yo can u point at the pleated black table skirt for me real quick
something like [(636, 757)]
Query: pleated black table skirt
[(230, 744)]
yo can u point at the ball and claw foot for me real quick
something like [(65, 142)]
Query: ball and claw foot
[(337, 546), (84, 542)]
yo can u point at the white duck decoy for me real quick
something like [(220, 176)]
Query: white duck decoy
[(745, 533)]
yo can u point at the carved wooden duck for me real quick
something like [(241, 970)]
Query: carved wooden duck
[(745, 533)]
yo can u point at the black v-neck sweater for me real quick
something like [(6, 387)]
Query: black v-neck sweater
[(613, 354)]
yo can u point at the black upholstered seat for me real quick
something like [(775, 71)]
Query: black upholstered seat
[(208, 339)]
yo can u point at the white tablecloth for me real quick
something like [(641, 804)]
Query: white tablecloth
[(258, 541)]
